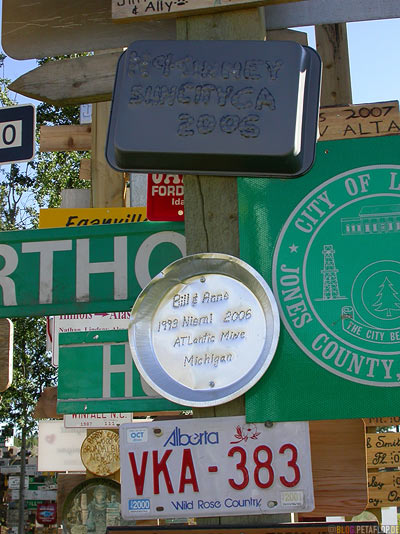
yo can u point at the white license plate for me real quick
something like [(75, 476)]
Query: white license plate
[(214, 467)]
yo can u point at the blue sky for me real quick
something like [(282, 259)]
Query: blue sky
[(374, 61)]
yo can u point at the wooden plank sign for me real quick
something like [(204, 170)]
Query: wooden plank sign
[(363, 120), (6, 353), (123, 10), (339, 472), (381, 421), (47, 28), (66, 137), (383, 489), (383, 450), (78, 80)]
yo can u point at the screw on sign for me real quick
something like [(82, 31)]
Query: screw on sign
[(165, 197)]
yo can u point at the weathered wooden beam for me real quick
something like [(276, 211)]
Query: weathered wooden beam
[(332, 46), (47, 28), (212, 226), (315, 12), (81, 80), (288, 35), (85, 169), (123, 10), (107, 185), (65, 138), (43, 28)]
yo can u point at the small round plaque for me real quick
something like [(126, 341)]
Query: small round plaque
[(100, 452), (204, 330)]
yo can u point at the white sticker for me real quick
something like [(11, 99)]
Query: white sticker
[(136, 435), (292, 498)]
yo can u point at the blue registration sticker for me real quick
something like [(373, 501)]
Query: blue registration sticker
[(134, 505)]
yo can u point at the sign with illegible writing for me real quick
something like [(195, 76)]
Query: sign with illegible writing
[(14, 482), (80, 270), (46, 513), (226, 108), (59, 448), (383, 489), (96, 420), (137, 9), (77, 217), (165, 197), (115, 384), (17, 133), (85, 322), (212, 467), (204, 330), (382, 421), (340, 309), (362, 120), (383, 450)]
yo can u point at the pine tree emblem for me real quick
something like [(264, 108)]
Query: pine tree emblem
[(388, 298)]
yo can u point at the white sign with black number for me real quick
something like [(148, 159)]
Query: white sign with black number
[(214, 467), (17, 133)]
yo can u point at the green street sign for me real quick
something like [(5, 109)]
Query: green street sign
[(96, 374), (78, 270), (331, 255)]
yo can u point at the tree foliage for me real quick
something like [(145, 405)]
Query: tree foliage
[(24, 188)]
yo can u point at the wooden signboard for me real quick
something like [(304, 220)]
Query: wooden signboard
[(383, 450), (363, 120), (79, 80), (382, 421), (66, 137), (339, 471), (6, 353), (383, 489), (47, 28), (128, 10)]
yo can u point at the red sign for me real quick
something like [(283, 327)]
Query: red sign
[(46, 514), (165, 197)]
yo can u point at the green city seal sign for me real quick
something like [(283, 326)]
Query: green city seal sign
[(336, 275)]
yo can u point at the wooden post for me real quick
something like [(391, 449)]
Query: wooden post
[(211, 210), (107, 184), (333, 48)]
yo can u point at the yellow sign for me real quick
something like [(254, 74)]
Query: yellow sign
[(61, 217)]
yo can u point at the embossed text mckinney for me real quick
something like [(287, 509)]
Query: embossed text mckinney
[(209, 86)]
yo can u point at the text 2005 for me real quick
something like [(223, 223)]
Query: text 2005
[(206, 124)]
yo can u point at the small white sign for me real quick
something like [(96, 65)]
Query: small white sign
[(59, 448), (85, 322), (35, 495), (10, 134), (13, 482), (96, 420), (214, 467)]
